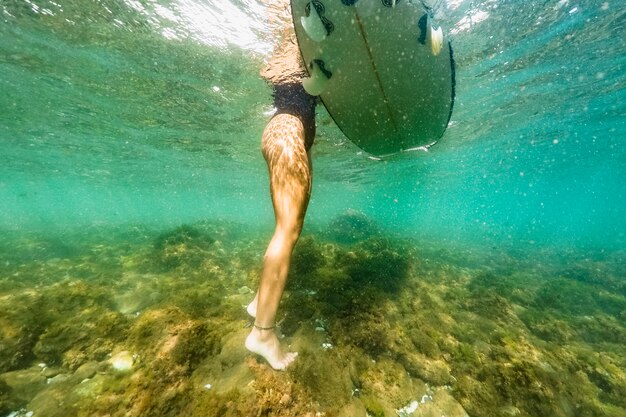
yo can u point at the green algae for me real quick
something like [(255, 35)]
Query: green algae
[(185, 245), (351, 227), (379, 323)]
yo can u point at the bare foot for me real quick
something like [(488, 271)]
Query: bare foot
[(266, 344), (251, 309)]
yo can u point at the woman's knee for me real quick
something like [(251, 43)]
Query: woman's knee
[(290, 233)]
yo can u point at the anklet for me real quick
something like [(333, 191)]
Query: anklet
[(264, 328)]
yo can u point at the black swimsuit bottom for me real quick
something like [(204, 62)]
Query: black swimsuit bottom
[(292, 99)]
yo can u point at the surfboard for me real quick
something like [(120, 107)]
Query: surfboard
[(382, 69)]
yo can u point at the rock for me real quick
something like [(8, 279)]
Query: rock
[(434, 371), (58, 378), (442, 404), (51, 372), (122, 361), (7, 401), (244, 290), (25, 383), (91, 388), (62, 399), (352, 226), (52, 402), (87, 370)]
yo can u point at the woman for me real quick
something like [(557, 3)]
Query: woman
[(286, 144)]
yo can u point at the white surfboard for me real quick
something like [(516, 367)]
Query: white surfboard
[(382, 68)]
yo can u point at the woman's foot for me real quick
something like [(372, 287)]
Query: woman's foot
[(251, 309), (265, 343)]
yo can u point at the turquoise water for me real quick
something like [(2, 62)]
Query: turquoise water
[(106, 121), (121, 120)]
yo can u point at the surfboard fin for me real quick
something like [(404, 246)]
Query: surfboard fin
[(434, 39), (318, 79), (314, 25)]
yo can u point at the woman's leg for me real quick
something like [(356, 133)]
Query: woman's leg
[(290, 172)]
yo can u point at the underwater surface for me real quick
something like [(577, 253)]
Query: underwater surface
[(485, 277)]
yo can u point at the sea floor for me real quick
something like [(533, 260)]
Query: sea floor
[(136, 322)]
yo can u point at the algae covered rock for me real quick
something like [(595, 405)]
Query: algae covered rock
[(19, 330), (8, 401), (70, 342), (377, 262), (351, 227), (23, 384), (306, 258), (184, 245), (122, 361), (381, 329), (195, 343)]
